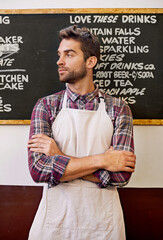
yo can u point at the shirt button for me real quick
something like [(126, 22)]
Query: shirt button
[(81, 105)]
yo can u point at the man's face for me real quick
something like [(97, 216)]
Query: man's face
[(71, 64)]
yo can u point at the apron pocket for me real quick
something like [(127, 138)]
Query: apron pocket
[(80, 208)]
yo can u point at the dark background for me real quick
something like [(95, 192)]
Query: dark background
[(38, 56)]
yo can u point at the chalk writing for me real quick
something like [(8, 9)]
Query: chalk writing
[(4, 107), (13, 82), (129, 67), (105, 18), (4, 20), (116, 44), (9, 46), (139, 19)]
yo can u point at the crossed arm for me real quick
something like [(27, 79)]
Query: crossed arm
[(111, 160), (48, 164)]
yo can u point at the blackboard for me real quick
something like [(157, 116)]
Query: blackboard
[(130, 65)]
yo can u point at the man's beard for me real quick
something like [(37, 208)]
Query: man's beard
[(74, 76)]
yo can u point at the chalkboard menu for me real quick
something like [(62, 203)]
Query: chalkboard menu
[(130, 66)]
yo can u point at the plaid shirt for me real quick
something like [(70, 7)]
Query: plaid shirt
[(50, 169)]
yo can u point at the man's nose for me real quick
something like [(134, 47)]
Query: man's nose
[(60, 61)]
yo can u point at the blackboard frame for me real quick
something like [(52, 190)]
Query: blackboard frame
[(84, 10)]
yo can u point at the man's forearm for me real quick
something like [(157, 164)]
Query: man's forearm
[(91, 178), (82, 167)]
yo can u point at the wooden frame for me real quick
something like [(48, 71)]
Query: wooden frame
[(84, 10), (135, 122)]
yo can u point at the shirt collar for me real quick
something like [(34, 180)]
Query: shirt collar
[(85, 98)]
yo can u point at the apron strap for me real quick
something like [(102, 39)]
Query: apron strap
[(64, 100), (102, 102)]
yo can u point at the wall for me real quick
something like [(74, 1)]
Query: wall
[(148, 139), (36, 4), (148, 142), (141, 200)]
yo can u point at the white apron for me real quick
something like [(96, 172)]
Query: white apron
[(78, 209)]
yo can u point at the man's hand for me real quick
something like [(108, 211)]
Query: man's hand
[(41, 143), (116, 161)]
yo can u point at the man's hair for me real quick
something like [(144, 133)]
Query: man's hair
[(90, 44)]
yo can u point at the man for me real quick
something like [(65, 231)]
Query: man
[(81, 145)]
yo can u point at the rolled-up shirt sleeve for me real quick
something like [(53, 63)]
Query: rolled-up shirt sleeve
[(47, 169), (122, 140)]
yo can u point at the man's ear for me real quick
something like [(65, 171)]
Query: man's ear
[(91, 62)]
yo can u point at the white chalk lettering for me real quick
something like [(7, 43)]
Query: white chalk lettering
[(19, 78), (122, 83), (9, 48), (118, 40), (113, 91), (4, 107), (102, 83), (101, 65), (13, 82), (80, 19), (6, 62), (132, 66), (100, 31), (139, 19), (121, 74), (103, 74), (128, 100), (13, 86), (11, 39), (127, 31), (124, 49), (4, 20), (145, 75), (111, 57), (132, 91), (105, 18)]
